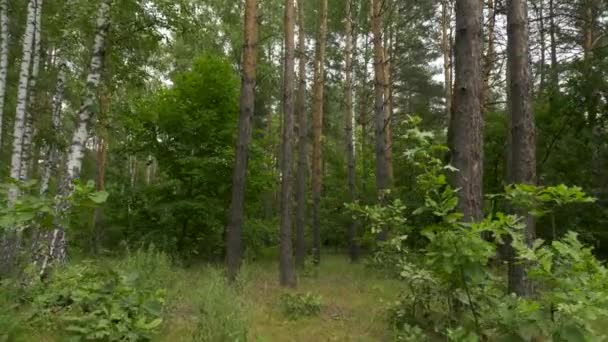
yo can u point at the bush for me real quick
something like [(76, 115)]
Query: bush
[(301, 305), (222, 310)]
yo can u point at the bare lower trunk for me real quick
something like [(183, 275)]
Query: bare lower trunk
[(4, 46), (302, 171), (490, 56), (349, 131), (57, 249), (522, 152), (234, 229), (317, 131), (465, 132), (100, 179)]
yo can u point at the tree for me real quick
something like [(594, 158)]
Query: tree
[(350, 134), (57, 246), (446, 50), (302, 170), (317, 131), (287, 270), (22, 95), (465, 131), (4, 45), (234, 229), (522, 136), (380, 118)]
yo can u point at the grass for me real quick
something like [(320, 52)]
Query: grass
[(354, 305)]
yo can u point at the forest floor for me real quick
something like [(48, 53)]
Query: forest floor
[(354, 304)]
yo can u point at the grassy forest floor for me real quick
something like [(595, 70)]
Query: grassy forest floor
[(354, 304)]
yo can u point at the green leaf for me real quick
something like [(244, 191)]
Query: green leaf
[(99, 197)]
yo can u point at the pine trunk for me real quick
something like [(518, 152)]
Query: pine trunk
[(100, 177), (234, 229), (302, 171), (446, 49), (522, 152), (382, 167), (317, 131), (349, 119), (465, 132), (57, 246), (286, 264)]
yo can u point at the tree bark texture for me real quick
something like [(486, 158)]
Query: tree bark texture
[(4, 47)]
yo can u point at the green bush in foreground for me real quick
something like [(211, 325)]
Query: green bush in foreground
[(297, 305)]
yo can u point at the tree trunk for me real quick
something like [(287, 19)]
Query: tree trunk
[(522, 166), (349, 119), (317, 131), (490, 57), (4, 47), (552, 34), (234, 229), (22, 94), (57, 249), (543, 45), (302, 171), (382, 167), (465, 132), (388, 104), (286, 264), (31, 108), (446, 49)]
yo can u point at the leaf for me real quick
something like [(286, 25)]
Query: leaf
[(99, 197)]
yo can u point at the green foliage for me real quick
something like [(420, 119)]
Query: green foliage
[(222, 312), (296, 305)]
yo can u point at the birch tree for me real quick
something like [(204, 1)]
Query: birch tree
[(22, 93), (28, 133), (4, 45), (57, 247)]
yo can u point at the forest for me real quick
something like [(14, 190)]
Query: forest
[(303, 170)]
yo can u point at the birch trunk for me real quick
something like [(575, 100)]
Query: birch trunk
[(31, 108), (234, 229), (446, 49), (4, 46), (22, 94), (57, 250), (302, 172), (317, 132), (286, 262), (349, 130)]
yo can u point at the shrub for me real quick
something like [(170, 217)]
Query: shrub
[(301, 305)]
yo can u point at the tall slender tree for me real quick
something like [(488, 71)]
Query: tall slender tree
[(57, 246), (465, 131), (302, 171), (446, 50), (287, 266), (4, 45), (382, 167), (22, 92), (234, 229), (317, 131), (522, 149), (31, 109), (349, 129)]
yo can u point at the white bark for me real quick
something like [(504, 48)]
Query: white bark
[(57, 249), (28, 133), (4, 37), (22, 92), (76, 153)]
